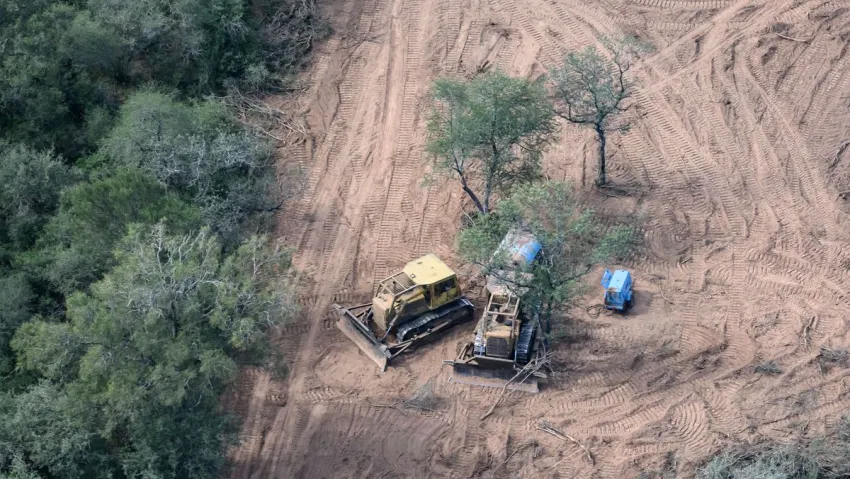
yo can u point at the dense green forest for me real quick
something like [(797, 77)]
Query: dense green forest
[(135, 274)]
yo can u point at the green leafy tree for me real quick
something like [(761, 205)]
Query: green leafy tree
[(18, 469), (591, 90), (572, 237), (70, 257), (56, 70), (490, 132), (30, 185), (64, 66), (153, 345), (45, 426), (16, 299), (200, 152), (202, 45)]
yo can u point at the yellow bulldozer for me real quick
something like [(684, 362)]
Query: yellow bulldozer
[(410, 308), (505, 338)]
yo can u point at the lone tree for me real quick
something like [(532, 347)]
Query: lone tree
[(490, 132), (590, 89), (572, 237)]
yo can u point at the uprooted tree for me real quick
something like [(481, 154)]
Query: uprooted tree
[(572, 237), (490, 132), (591, 90)]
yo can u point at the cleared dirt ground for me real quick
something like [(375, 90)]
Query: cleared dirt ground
[(738, 160)]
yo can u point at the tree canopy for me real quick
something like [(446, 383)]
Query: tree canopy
[(65, 66), (71, 258), (490, 132), (590, 89), (30, 186), (138, 368), (201, 153)]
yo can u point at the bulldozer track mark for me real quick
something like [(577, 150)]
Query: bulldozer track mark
[(696, 339), (606, 399), (428, 224), (401, 169), (821, 116), (724, 417), (471, 43), (666, 26), (586, 22), (252, 429), (507, 55), (731, 208), (727, 144), (684, 45), (551, 55), (631, 420), (690, 423), (795, 14), (568, 26), (450, 14), (324, 394), (802, 161), (829, 409), (771, 181), (684, 4), (299, 327), (277, 399)]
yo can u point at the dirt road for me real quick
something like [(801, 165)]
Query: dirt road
[(738, 150)]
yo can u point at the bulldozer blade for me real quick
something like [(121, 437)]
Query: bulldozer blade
[(469, 374), (370, 346)]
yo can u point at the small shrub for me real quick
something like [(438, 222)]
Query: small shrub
[(829, 358), (770, 368), (424, 398), (824, 457)]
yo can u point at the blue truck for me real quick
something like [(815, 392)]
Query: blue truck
[(618, 290)]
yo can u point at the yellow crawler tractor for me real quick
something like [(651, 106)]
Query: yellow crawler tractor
[(505, 338), (412, 307)]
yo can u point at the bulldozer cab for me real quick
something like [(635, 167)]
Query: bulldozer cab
[(437, 279), (501, 323), (423, 285), (444, 291)]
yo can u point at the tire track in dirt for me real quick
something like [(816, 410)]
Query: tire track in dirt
[(327, 189), (550, 55), (804, 168), (690, 422), (684, 4), (389, 253), (674, 138)]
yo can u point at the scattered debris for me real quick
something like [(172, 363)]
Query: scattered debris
[(546, 427)]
